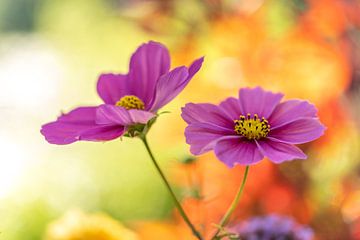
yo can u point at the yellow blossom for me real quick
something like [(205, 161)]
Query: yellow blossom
[(76, 225)]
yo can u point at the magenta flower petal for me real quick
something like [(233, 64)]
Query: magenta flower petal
[(257, 101), (279, 152), (195, 67), (147, 65), (291, 110), (192, 113), (125, 96), (102, 133), (206, 113), (203, 136), (114, 115), (79, 124), (166, 86), (232, 151), (245, 130), (112, 87), (172, 83), (299, 131), (231, 107)]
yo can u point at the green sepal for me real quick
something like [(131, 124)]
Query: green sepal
[(188, 160), (135, 130), (164, 112), (138, 130), (195, 192)]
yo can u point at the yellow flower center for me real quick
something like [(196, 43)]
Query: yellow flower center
[(252, 127), (131, 102)]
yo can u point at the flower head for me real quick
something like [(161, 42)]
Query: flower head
[(272, 227), (76, 225), (130, 99), (245, 130)]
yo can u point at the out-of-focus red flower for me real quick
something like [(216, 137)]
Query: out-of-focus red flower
[(216, 185), (356, 231), (297, 62), (351, 206), (330, 18), (299, 65), (332, 113)]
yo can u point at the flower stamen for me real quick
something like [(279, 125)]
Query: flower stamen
[(252, 127), (131, 102)]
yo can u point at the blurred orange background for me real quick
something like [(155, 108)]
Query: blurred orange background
[(51, 53)]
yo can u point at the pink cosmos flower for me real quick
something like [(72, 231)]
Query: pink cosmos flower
[(245, 130), (130, 99)]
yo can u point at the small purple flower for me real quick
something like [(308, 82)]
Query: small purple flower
[(130, 99), (245, 130), (271, 227)]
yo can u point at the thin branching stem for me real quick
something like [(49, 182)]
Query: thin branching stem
[(233, 205), (172, 194)]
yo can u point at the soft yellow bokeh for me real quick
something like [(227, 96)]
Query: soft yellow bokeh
[(76, 225)]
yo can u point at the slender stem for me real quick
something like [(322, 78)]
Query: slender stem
[(176, 201), (233, 205)]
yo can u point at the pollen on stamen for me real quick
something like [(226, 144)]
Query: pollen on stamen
[(131, 102), (252, 127)]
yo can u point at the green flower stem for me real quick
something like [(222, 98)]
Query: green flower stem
[(233, 205), (176, 201)]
